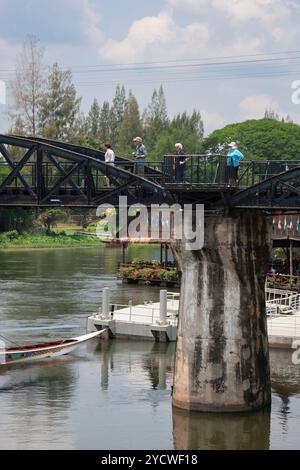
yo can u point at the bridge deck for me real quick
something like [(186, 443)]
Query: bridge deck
[(40, 172)]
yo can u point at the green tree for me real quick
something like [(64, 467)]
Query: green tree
[(27, 87), (117, 114), (92, 123), (59, 107), (22, 220), (155, 118), (50, 217), (167, 139), (191, 123), (265, 139), (131, 125), (104, 129), (271, 114)]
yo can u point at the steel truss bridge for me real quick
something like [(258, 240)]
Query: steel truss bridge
[(36, 172)]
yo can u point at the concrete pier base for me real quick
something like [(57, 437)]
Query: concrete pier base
[(222, 360)]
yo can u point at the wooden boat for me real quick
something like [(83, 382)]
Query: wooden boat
[(36, 352)]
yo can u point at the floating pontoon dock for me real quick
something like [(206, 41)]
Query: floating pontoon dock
[(158, 320)]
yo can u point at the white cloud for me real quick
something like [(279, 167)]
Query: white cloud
[(250, 27), (212, 120), (254, 106), (150, 30), (159, 37), (241, 10), (90, 23), (245, 9), (195, 6)]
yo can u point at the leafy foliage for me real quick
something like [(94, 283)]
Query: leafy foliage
[(20, 220), (266, 139), (59, 106), (50, 217)]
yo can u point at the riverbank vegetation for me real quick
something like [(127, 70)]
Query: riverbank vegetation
[(15, 240), (28, 228)]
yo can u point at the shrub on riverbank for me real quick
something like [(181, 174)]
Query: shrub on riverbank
[(14, 240)]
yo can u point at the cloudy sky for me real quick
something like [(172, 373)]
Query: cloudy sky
[(230, 59)]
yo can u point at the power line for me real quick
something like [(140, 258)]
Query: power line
[(162, 62), (192, 79)]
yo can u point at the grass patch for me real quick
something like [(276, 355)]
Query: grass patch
[(45, 241)]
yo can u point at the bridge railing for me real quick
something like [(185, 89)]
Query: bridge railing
[(197, 169), (212, 169), (256, 171), (194, 169)]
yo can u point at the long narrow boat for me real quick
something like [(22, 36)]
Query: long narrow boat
[(36, 352)]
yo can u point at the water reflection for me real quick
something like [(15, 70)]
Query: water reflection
[(157, 360), (159, 364), (285, 378), (54, 377), (36, 399), (192, 430)]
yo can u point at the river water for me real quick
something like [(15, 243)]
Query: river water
[(111, 394)]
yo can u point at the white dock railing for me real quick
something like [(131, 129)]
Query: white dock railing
[(129, 312), (283, 311), (165, 311), (280, 302)]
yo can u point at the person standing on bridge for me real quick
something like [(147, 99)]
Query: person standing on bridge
[(140, 155), (179, 163), (109, 159), (234, 156)]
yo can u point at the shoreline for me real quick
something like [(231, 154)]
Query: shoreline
[(47, 242), (58, 247)]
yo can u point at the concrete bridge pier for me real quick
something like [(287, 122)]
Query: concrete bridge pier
[(222, 359)]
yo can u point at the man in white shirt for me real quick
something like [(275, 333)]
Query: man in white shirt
[(110, 159)]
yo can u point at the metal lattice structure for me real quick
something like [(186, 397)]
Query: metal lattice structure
[(281, 192), (37, 172)]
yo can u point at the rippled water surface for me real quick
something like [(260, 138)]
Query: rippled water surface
[(115, 394)]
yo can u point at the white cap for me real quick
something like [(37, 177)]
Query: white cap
[(137, 139), (233, 145)]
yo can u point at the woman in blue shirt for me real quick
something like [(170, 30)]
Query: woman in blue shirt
[(234, 156)]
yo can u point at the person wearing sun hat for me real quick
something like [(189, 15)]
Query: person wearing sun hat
[(234, 156), (139, 156)]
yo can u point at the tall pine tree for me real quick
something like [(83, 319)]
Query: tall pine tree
[(59, 107), (131, 125), (93, 120), (104, 128), (27, 88), (155, 118), (117, 114)]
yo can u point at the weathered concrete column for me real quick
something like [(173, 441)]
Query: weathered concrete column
[(222, 360)]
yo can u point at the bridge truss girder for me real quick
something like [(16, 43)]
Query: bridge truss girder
[(73, 180), (281, 192)]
